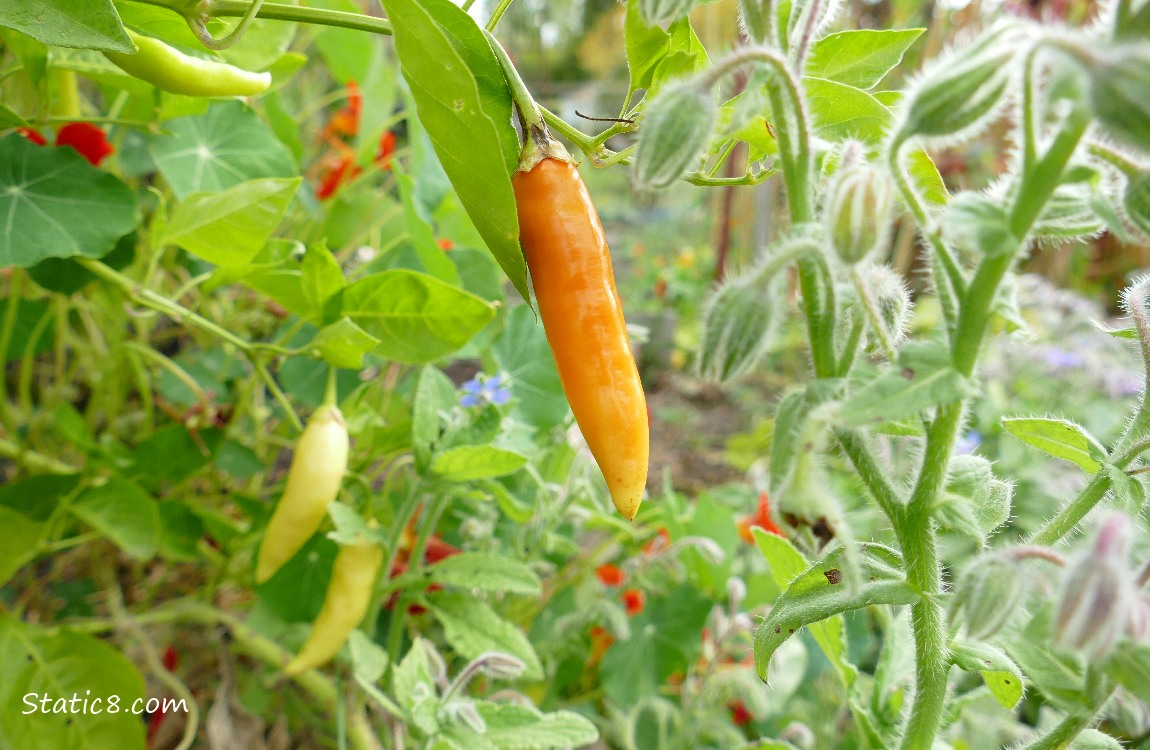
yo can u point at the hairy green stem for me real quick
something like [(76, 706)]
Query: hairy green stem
[(917, 538)]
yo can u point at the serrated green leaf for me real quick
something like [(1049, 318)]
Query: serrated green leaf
[(1060, 438), (473, 628), (490, 573), (859, 58), (1001, 674), (464, 102), (417, 318)]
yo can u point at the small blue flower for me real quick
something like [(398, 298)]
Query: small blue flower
[(483, 389), (967, 443)]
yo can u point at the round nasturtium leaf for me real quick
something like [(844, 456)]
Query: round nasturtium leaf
[(54, 204)]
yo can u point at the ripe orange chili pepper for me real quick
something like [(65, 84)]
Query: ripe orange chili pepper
[(574, 283)]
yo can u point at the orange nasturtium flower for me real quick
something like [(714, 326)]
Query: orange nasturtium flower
[(761, 518), (634, 600), (610, 575)]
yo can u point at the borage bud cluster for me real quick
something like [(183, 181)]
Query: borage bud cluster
[(1100, 602)]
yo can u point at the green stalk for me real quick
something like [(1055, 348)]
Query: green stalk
[(277, 12), (932, 663)]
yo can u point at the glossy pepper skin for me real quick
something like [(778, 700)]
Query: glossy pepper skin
[(171, 70), (313, 481), (582, 315), (344, 606)]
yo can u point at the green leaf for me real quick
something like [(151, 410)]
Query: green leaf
[(68, 276), (473, 628), (434, 393), (1001, 674), (180, 531), (412, 672), (297, 590), (522, 352), (125, 514), (787, 564), (923, 378), (38, 664), (91, 24), (229, 227), (9, 119), (368, 659), (321, 279), (656, 55), (821, 592), (840, 112), (512, 726), (787, 442), (927, 178), (1130, 668), (1060, 438), (225, 146), (859, 58), (467, 462), (343, 344), (417, 318), (1058, 674), (434, 260), (57, 205), (464, 103), (490, 573), (20, 538)]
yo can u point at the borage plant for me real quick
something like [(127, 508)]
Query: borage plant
[(148, 427)]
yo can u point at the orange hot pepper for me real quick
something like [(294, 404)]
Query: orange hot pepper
[(574, 283)]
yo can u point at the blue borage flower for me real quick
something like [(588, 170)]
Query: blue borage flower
[(483, 389)]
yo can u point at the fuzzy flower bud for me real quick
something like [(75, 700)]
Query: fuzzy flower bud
[(858, 213), (990, 590), (677, 127), (663, 12), (960, 92), (1097, 593), (1120, 92), (737, 324)]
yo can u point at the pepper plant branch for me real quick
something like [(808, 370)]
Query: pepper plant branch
[(276, 12)]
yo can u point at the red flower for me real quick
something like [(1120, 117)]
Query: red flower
[(335, 173), (346, 121), (386, 149), (171, 659), (739, 713), (761, 518), (610, 575), (437, 550), (89, 140), (444, 244), (634, 600), (32, 135)]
